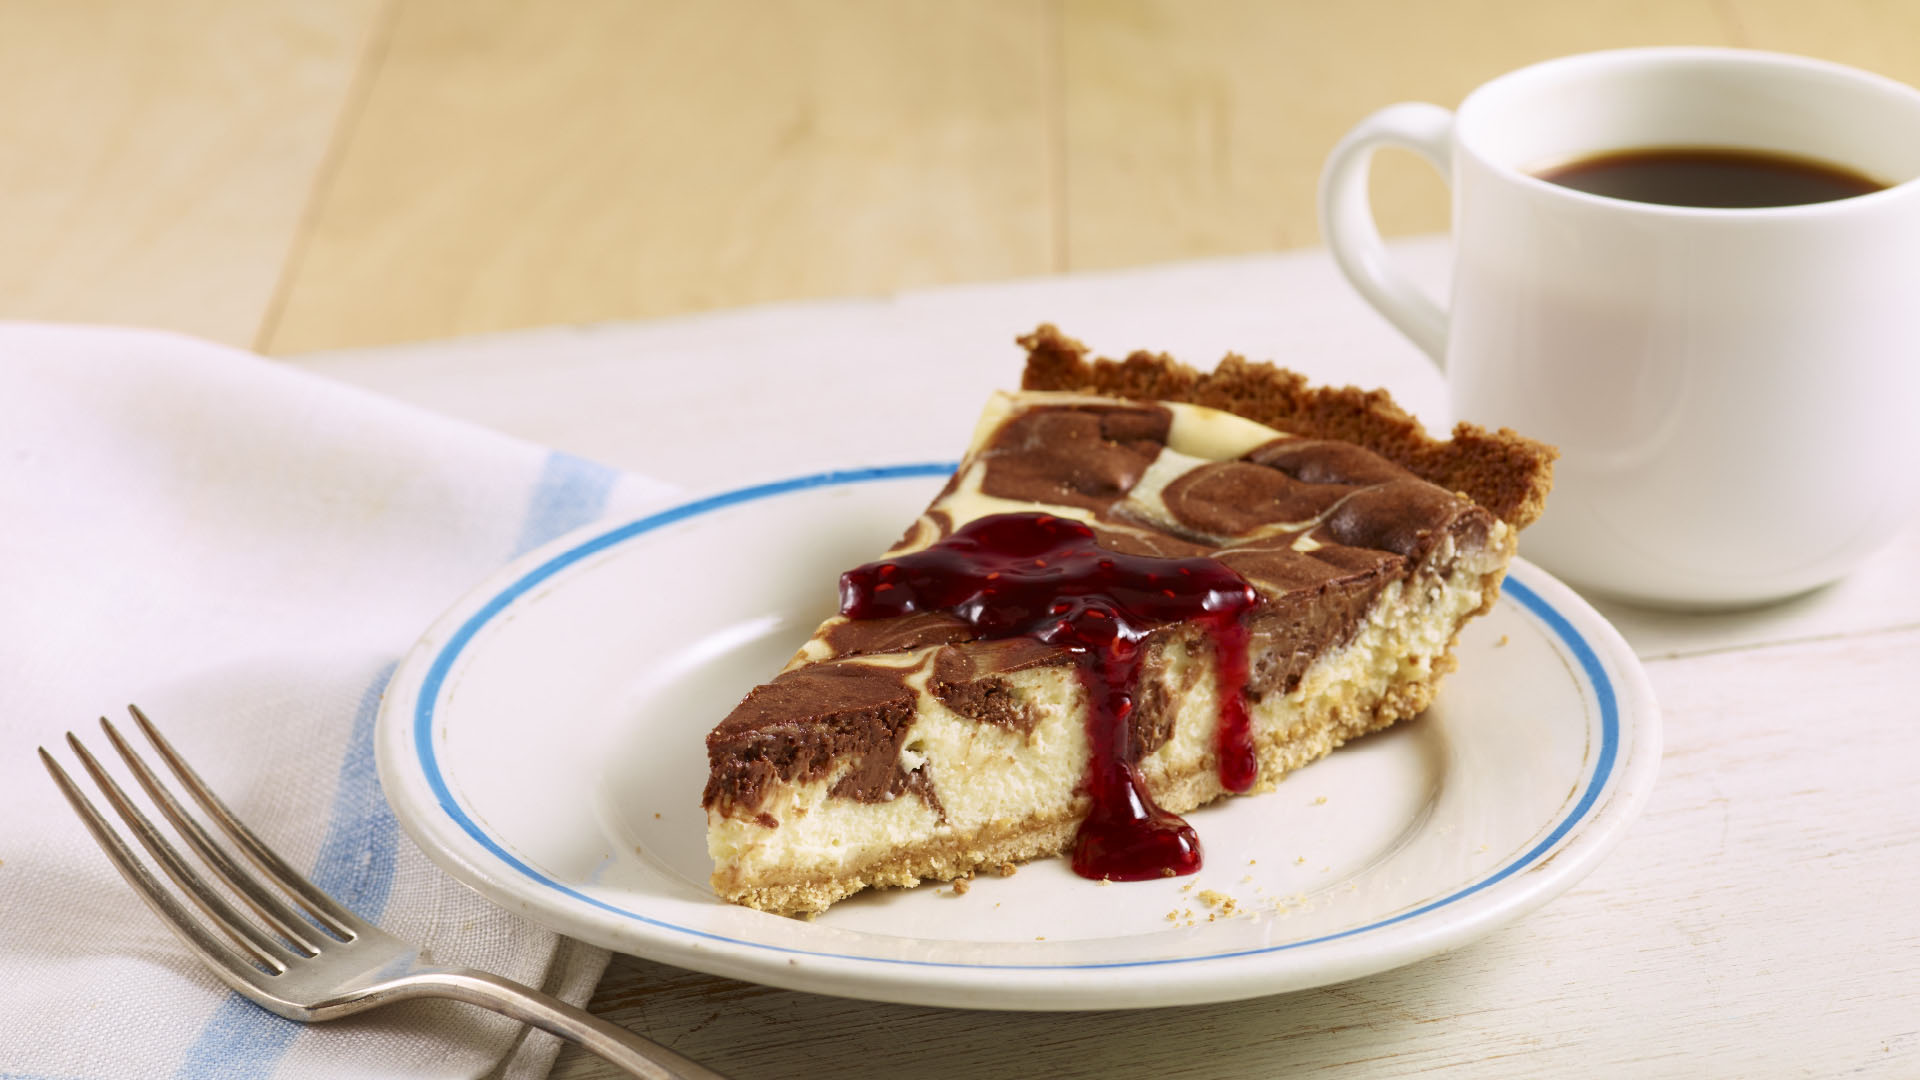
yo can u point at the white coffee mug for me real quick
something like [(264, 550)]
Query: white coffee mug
[(1735, 393)]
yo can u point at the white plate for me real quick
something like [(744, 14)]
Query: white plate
[(544, 743)]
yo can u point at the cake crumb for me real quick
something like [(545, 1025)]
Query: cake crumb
[(1321, 801), (1167, 871), (1007, 869), (656, 815), (1302, 859), (1248, 880), (1251, 862), (1502, 642), (1188, 887), (1104, 881), (1040, 937), (961, 885), (1225, 905)]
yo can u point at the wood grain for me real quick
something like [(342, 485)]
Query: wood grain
[(521, 164), (1200, 128), (156, 159), (1714, 942), (1879, 35), (303, 176)]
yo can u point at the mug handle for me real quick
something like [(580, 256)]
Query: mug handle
[(1346, 216)]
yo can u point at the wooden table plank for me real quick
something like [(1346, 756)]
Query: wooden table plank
[(1199, 128), (1878, 35), (156, 159), (518, 164), (521, 164)]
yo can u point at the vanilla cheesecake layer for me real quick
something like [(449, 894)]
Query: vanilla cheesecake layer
[(1001, 796)]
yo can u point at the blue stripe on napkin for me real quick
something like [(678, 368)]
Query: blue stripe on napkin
[(571, 492), (356, 863), (359, 855)]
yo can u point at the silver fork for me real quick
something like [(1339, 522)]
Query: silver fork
[(321, 963)]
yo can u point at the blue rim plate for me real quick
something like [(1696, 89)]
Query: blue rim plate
[(544, 743)]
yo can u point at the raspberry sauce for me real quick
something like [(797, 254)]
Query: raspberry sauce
[(1042, 576)]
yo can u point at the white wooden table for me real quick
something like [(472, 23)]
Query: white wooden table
[(1762, 919)]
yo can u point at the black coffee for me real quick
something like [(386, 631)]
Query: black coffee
[(1702, 176)]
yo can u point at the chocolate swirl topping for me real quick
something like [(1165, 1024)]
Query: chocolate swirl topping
[(1317, 527)]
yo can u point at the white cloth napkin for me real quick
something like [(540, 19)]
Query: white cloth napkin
[(244, 551)]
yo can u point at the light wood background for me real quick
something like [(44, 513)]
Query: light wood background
[(294, 175)]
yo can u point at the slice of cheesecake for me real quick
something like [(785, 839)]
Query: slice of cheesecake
[(1130, 600)]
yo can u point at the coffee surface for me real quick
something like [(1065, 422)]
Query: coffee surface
[(1710, 177)]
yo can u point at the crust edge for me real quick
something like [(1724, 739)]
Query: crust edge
[(1505, 472)]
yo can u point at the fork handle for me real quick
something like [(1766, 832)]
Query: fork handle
[(638, 1055)]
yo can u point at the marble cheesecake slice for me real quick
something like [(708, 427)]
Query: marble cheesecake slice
[(1121, 607)]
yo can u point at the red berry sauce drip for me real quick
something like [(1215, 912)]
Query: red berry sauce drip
[(1041, 576), (1238, 767)]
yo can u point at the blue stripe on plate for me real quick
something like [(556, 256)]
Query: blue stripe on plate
[(443, 662)]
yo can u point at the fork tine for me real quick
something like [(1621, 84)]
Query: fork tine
[(271, 909), (231, 968), (325, 908), (216, 907)]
